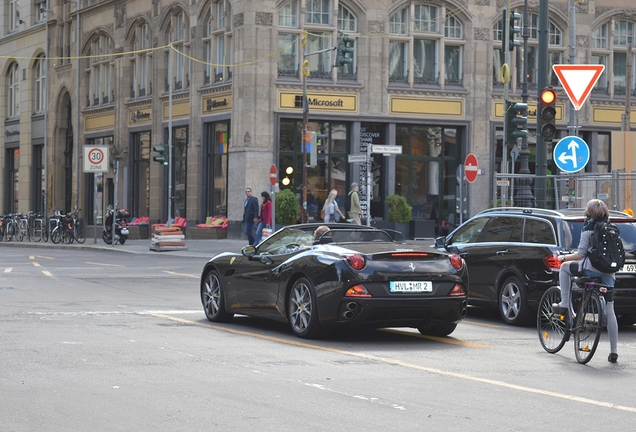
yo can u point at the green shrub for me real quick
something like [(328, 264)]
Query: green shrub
[(399, 209), (286, 207)]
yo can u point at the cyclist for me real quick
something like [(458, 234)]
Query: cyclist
[(596, 211)]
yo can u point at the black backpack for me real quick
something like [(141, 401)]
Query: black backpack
[(348, 202), (607, 254)]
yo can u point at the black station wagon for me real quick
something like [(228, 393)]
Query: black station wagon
[(511, 254)]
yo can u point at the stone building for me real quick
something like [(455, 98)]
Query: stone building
[(222, 82)]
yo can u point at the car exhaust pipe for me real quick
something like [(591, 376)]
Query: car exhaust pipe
[(464, 309), (352, 306), (348, 315)]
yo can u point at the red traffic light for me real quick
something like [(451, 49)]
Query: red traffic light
[(548, 96)]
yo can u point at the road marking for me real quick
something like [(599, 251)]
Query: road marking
[(46, 273), (182, 274), (31, 257), (437, 338), (465, 321), (8, 270), (45, 257), (35, 264), (102, 264), (407, 365)]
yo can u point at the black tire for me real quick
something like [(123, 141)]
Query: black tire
[(78, 232), (440, 329), (302, 310), (513, 304), (122, 239), (213, 298), (107, 239), (37, 230), (588, 329), (10, 231), (56, 235), (627, 319), (45, 231), (552, 328)]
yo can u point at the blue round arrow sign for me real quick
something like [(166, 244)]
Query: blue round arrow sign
[(571, 154)]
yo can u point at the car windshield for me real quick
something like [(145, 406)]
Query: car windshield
[(286, 241), (572, 234)]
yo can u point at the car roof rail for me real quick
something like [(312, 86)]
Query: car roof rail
[(526, 210)]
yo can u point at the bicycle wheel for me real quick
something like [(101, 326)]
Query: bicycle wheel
[(78, 232), (56, 235), (22, 230), (36, 231), (10, 231), (552, 327), (588, 328)]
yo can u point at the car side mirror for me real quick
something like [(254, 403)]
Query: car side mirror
[(248, 251), (440, 243)]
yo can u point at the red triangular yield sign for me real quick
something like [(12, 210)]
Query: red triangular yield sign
[(578, 80)]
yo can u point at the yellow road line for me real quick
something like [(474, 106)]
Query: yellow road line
[(35, 264), (481, 324), (46, 273), (182, 274), (31, 257), (407, 365), (102, 264), (437, 338)]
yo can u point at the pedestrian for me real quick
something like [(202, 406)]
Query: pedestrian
[(595, 212), (331, 207), (354, 211), (250, 215), (265, 219)]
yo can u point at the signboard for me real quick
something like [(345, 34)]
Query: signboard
[(357, 158), (385, 149), (95, 158), (571, 154), (578, 81), (470, 168), (273, 175)]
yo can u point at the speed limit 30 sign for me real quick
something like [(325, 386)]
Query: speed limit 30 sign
[(95, 158)]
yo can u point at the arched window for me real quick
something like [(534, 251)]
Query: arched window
[(613, 54), (218, 43), (141, 67), (101, 71), (178, 35), (39, 76), (13, 90), (428, 52), (325, 27), (555, 54)]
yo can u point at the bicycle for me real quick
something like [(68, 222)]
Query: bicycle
[(586, 324), (35, 226), (77, 227)]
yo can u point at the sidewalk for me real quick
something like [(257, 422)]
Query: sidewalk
[(195, 248)]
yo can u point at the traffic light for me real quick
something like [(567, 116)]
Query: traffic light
[(516, 118), (161, 158), (514, 29), (547, 114), (504, 23), (345, 49)]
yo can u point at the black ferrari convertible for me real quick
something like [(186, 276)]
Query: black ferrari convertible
[(351, 275)]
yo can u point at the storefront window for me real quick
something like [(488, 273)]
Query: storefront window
[(180, 167), (141, 174), (217, 160)]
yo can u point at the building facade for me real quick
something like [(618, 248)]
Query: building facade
[(218, 85)]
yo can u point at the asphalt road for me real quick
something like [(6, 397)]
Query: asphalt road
[(100, 341)]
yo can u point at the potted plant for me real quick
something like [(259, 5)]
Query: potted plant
[(286, 207), (400, 213)]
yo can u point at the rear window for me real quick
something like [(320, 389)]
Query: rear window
[(572, 234)]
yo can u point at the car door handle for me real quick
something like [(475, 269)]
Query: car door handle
[(502, 252)]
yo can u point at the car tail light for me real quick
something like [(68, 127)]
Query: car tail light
[(356, 261), (456, 261), (458, 291), (409, 255), (552, 262), (357, 291)]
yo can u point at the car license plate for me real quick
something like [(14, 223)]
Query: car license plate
[(628, 268), (411, 286)]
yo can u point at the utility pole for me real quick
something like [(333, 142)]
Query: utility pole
[(542, 82), (524, 196)]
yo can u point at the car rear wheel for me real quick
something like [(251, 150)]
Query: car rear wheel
[(443, 329), (302, 311), (213, 298), (513, 304)]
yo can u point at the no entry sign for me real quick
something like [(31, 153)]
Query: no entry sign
[(273, 175), (470, 168), (95, 158)]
